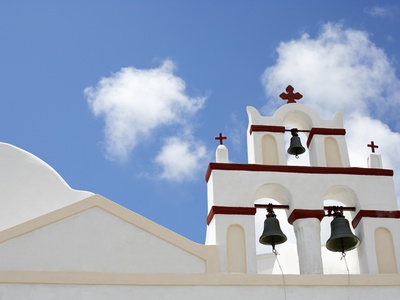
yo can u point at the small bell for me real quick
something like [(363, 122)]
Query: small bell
[(342, 239), (295, 148), (272, 234)]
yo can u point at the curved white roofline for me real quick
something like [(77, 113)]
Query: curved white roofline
[(294, 112), (29, 187)]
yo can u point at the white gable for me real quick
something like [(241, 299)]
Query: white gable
[(92, 239)]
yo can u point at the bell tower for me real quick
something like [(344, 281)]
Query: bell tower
[(368, 193)]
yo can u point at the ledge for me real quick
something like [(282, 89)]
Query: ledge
[(213, 279), (296, 169), (390, 214)]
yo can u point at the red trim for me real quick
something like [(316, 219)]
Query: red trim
[(266, 128), (296, 169), (324, 131), (305, 214), (391, 214), (228, 210)]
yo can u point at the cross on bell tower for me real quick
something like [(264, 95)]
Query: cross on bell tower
[(221, 138), (221, 153), (374, 159), (372, 146), (290, 96)]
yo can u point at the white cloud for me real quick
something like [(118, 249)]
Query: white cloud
[(378, 11), (179, 159), (342, 70), (382, 11), (137, 102)]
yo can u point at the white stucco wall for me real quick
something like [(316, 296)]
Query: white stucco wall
[(308, 190), (95, 241), (219, 237)]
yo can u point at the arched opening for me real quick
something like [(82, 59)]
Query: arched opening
[(385, 251), (266, 260), (332, 153), (333, 262), (236, 249), (301, 121), (302, 159), (339, 195), (269, 150)]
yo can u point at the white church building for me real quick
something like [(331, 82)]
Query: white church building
[(60, 243)]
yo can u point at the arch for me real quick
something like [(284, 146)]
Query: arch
[(269, 150), (274, 191), (236, 249), (384, 249), (276, 194), (342, 194), (293, 113), (338, 195), (300, 119), (332, 153)]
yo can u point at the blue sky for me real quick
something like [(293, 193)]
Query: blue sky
[(124, 98)]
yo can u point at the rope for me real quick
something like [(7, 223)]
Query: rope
[(280, 267), (348, 273), (345, 261)]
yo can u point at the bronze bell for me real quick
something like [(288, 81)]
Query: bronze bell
[(296, 148), (272, 234), (342, 239)]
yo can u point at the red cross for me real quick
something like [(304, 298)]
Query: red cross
[(221, 138), (290, 96), (373, 146)]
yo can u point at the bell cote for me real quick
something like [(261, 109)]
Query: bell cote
[(325, 139)]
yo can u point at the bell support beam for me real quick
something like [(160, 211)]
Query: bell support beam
[(331, 210), (273, 206)]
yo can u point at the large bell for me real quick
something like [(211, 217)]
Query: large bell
[(342, 239), (295, 148), (272, 234)]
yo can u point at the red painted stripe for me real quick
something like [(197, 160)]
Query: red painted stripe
[(324, 131), (266, 128), (296, 169), (391, 214), (305, 214), (228, 210)]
